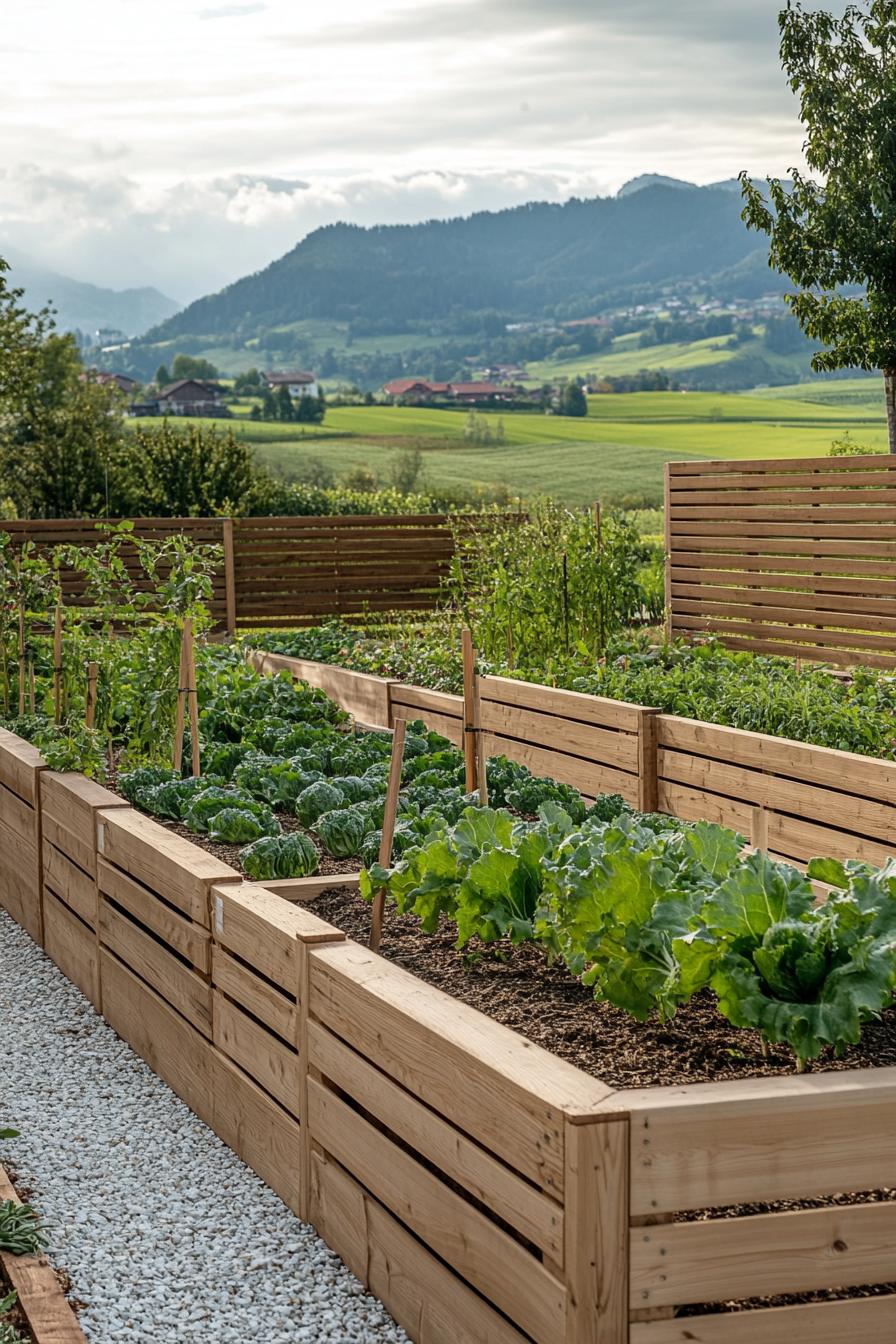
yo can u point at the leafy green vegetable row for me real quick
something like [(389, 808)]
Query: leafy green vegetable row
[(648, 911), (273, 750), (764, 694)]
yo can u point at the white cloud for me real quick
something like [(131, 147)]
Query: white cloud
[(186, 163)]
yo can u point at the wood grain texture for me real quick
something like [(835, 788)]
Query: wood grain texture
[(505, 1093), (430, 1302), (870, 1320), (597, 1218), (476, 1248), (714, 1144), (537, 1217), (736, 1258)]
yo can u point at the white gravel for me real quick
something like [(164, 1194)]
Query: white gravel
[(166, 1234)]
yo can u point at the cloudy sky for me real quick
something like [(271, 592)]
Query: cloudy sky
[(182, 143)]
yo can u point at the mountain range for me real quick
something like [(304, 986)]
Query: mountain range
[(534, 261), (83, 307)]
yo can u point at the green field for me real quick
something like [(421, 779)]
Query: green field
[(618, 450)]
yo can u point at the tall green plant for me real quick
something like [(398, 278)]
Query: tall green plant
[(535, 590)]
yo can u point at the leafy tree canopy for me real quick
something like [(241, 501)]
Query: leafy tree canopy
[(835, 228)]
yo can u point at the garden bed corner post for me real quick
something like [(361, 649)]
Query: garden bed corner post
[(596, 1250)]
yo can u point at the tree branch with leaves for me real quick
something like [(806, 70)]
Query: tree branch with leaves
[(833, 230)]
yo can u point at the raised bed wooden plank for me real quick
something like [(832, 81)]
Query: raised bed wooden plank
[(429, 1301), (261, 1054), (81, 851), (869, 1320), (20, 766), (714, 1144), (477, 1249), (176, 983), (534, 1215), (562, 734), (48, 1313), (165, 1040), (72, 945), (72, 801), (261, 999), (365, 697), (507, 1094), (306, 888), (592, 709), (727, 1259), (258, 1130), (589, 777), (179, 871), (265, 931), (189, 939), (877, 821), (70, 883), (847, 771)]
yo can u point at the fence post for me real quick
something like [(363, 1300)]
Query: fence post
[(648, 768), (229, 576), (596, 1252)]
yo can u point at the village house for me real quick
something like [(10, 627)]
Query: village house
[(421, 391), (299, 384), (188, 396), (120, 380)]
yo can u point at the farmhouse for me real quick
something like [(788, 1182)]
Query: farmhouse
[(299, 384), (421, 391), (120, 380), (189, 396)]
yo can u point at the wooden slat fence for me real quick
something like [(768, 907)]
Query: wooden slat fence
[(291, 571), (789, 557)]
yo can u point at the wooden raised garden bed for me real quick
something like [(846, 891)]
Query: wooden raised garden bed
[(484, 1189), (39, 1296)]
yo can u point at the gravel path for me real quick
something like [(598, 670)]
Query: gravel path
[(167, 1236)]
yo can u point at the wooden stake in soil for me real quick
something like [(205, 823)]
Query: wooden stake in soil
[(90, 708), (759, 830), (192, 696), (21, 657), (181, 704), (31, 688), (469, 655), (395, 767), (57, 664)]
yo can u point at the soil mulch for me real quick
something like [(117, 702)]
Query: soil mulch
[(516, 986)]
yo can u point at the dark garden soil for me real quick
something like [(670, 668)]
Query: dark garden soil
[(516, 986)]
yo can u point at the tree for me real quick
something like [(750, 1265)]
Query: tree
[(405, 468), (268, 405), (163, 377), (60, 434), (573, 401), (189, 366), (840, 231), (283, 403)]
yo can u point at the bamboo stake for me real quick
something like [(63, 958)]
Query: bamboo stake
[(32, 698), (90, 709), (469, 656), (181, 704), (57, 664), (21, 658), (192, 696), (396, 764)]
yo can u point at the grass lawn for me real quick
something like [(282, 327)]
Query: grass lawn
[(619, 449)]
